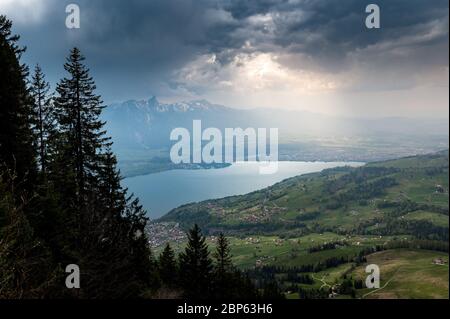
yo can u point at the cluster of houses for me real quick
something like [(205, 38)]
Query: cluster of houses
[(252, 240), (262, 260), (161, 233), (262, 213), (439, 261), (440, 189), (218, 210)]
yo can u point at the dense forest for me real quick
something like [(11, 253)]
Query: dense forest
[(61, 202)]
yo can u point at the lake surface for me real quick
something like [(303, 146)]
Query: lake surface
[(161, 192)]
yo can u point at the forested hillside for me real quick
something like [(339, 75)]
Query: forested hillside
[(408, 196)]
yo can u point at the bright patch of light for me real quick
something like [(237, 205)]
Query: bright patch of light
[(252, 72), (24, 11)]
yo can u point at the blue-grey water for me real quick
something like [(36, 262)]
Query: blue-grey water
[(161, 192)]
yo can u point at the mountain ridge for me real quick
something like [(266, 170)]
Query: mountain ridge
[(141, 129)]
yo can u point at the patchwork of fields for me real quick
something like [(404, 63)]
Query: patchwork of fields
[(314, 234)]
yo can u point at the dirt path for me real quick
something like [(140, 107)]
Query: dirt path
[(384, 286), (324, 283)]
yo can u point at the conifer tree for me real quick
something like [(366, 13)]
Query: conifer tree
[(43, 118), (16, 138), (140, 255), (118, 253), (79, 143), (271, 290), (223, 268), (112, 197), (25, 262), (196, 266), (167, 265), (77, 110), (105, 228), (222, 256)]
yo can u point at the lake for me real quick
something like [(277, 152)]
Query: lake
[(161, 192)]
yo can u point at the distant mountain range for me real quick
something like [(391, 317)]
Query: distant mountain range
[(148, 123), (141, 130)]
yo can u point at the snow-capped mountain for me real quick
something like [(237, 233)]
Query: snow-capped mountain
[(146, 125), (153, 105)]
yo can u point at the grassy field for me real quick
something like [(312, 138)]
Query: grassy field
[(435, 219), (375, 205), (407, 274), (273, 250)]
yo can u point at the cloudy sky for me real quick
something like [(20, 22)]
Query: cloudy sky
[(315, 55)]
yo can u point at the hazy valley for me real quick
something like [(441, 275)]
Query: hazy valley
[(141, 130)]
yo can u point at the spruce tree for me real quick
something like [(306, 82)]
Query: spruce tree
[(140, 255), (106, 229), (43, 116), (168, 270), (119, 262), (222, 256), (80, 143), (25, 261), (80, 129), (16, 139), (112, 197), (26, 269), (196, 266), (44, 213), (223, 269)]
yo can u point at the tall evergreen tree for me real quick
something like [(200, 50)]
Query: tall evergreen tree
[(44, 211), (223, 269), (141, 257), (43, 116), (196, 266), (108, 228), (81, 143), (222, 256), (168, 270), (112, 197), (118, 254), (78, 109), (16, 138), (25, 262)]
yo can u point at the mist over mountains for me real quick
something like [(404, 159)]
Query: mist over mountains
[(141, 129)]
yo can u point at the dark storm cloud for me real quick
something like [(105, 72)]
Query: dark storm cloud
[(134, 47), (131, 46), (328, 31)]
